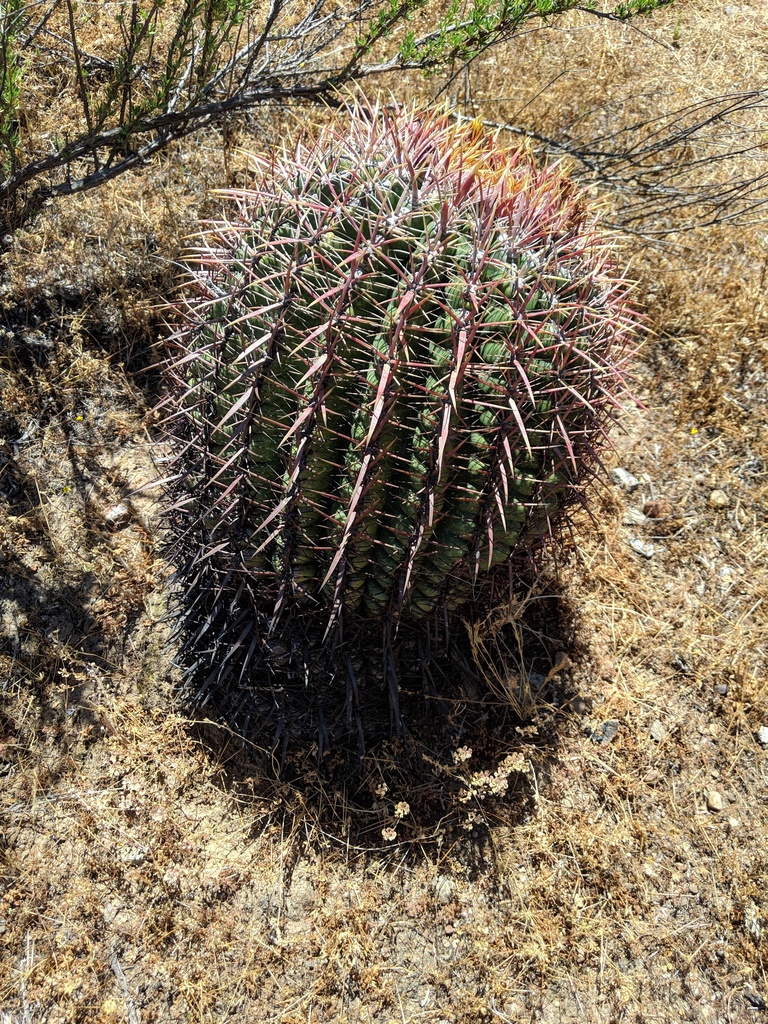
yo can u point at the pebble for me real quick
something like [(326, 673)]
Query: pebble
[(444, 887), (133, 855), (606, 732), (722, 689), (714, 800), (642, 547), (718, 499), (624, 479), (657, 731), (111, 910), (762, 735), (117, 516), (634, 517), (580, 706)]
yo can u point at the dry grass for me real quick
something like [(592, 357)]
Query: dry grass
[(153, 870)]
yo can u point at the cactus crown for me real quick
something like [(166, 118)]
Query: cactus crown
[(397, 362)]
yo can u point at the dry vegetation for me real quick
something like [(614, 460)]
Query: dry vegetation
[(604, 858)]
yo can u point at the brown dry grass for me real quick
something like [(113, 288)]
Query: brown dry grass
[(153, 871)]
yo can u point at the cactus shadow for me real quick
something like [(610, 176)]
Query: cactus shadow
[(474, 735), (69, 600)]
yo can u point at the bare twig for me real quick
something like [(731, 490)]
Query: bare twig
[(641, 164), (180, 71)]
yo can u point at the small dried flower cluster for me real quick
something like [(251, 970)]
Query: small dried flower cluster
[(484, 783)]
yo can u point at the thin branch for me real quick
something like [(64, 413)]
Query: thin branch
[(78, 66)]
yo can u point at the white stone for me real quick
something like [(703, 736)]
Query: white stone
[(642, 547), (634, 517), (657, 731), (622, 478), (118, 515), (718, 499), (714, 800)]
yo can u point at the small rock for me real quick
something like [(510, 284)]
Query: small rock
[(657, 731), (580, 706), (117, 516), (622, 478), (681, 665), (133, 855), (3, 927), (752, 920), (718, 499), (652, 777), (762, 735), (642, 547), (714, 800), (722, 689), (172, 878), (634, 517), (444, 887), (537, 680), (111, 910), (606, 733)]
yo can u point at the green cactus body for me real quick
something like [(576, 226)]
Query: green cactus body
[(395, 368)]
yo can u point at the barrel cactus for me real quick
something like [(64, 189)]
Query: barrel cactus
[(398, 358)]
